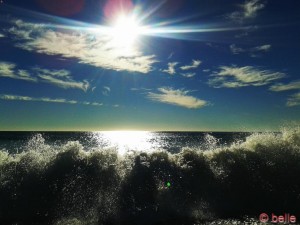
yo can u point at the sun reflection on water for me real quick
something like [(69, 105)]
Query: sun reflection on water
[(126, 141)]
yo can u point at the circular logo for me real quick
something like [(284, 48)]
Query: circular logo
[(263, 218)]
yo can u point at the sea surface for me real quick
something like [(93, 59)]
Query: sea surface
[(148, 178), (122, 141)]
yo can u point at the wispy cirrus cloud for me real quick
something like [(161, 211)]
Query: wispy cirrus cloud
[(92, 103), (195, 64), (188, 75), (247, 10), (295, 85), (253, 52), (294, 100), (177, 97), (171, 68), (87, 46), (9, 70), (45, 99), (235, 77), (262, 48), (27, 98), (60, 78), (171, 55), (140, 89), (106, 90)]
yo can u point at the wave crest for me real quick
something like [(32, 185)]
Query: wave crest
[(69, 185)]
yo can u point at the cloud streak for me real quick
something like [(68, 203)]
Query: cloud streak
[(254, 52), (45, 99), (235, 77), (88, 47), (295, 85), (106, 90), (171, 68), (294, 100), (195, 64), (177, 97), (248, 10), (188, 75), (9, 70), (59, 78)]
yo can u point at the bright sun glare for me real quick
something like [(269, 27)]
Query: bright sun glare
[(129, 140), (125, 31)]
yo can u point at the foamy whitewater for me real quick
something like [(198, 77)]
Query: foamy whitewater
[(148, 178)]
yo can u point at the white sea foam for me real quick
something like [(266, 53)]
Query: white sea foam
[(73, 185)]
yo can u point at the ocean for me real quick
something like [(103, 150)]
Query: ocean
[(149, 178)]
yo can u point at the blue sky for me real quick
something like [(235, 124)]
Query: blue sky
[(180, 65)]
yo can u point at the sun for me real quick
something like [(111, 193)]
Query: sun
[(125, 31)]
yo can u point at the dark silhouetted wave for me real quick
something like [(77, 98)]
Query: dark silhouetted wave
[(69, 185)]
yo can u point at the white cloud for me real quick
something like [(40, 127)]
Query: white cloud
[(177, 97), (84, 85), (254, 52), (9, 70), (25, 31), (262, 48), (295, 85), (60, 78), (106, 90), (26, 98), (54, 73), (251, 7), (2, 35), (236, 50), (96, 104), (92, 103), (188, 75), (171, 55), (88, 47), (247, 10), (194, 65), (45, 99), (294, 100), (171, 68), (140, 89), (235, 77)]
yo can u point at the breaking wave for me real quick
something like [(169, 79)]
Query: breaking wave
[(66, 184)]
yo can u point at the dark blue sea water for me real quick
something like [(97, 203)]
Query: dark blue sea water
[(135, 178)]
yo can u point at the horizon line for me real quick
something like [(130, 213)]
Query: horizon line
[(187, 131)]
